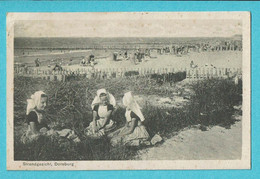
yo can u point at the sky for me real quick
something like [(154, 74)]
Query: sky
[(128, 28)]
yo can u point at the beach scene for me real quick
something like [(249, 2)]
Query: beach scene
[(171, 97)]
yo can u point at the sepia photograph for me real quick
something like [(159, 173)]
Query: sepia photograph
[(128, 90)]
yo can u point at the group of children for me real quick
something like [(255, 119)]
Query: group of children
[(103, 108)]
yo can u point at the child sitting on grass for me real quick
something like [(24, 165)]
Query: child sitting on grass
[(35, 117), (103, 106), (134, 132), (37, 125)]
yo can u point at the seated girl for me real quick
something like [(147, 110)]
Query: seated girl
[(37, 125), (102, 106), (35, 117), (133, 133)]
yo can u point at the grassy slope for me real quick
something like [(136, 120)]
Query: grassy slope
[(69, 107)]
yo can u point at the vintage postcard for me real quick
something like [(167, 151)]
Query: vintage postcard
[(128, 91)]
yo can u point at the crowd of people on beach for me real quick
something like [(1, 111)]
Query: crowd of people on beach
[(140, 55), (104, 106)]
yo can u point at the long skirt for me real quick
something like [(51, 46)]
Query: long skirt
[(89, 131), (67, 133), (138, 136), (28, 137)]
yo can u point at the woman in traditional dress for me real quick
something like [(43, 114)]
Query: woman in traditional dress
[(102, 106), (134, 132)]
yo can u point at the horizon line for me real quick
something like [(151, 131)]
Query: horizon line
[(140, 37)]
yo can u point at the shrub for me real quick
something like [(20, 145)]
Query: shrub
[(131, 73), (214, 99), (169, 77)]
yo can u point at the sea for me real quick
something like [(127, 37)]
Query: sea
[(86, 42)]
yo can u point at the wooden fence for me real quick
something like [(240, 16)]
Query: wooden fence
[(107, 73), (202, 73)]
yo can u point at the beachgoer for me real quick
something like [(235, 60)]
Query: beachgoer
[(192, 65), (57, 67), (115, 56), (37, 62), (139, 56), (134, 132), (102, 107), (83, 62), (91, 58), (133, 58)]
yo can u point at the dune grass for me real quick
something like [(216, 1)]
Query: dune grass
[(211, 103)]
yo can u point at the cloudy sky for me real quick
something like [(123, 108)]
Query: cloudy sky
[(127, 28)]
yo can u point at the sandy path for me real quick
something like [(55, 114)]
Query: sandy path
[(194, 144)]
